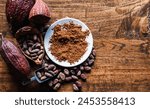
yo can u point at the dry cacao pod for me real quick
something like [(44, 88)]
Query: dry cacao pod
[(22, 33), (14, 58), (17, 12)]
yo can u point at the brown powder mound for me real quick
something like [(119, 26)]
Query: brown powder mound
[(68, 42)]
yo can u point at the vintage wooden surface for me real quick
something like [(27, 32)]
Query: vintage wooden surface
[(122, 64)]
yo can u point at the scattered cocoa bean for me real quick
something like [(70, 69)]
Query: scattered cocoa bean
[(47, 58), (79, 84), (75, 88), (91, 62), (66, 72), (68, 79), (48, 75), (57, 86), (55, 81), (85, 63), (74, 77), (72, 72), (91, 56), (83, 76), (51, 67), (56, 72), (87, 68), (79, 73), (62, 76), (94, 53), (81, 68)]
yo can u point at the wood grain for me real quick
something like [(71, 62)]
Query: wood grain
[(122, 64)]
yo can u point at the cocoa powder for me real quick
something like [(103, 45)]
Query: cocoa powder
[(68, 42)]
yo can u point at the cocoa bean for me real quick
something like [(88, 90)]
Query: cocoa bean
[(91, 56), (48, 75), (34, 51), (40, 52), (45, 69), (87, 68), (72, 72), (85, 64), (50, 83), (75, 88), (47, 58), (43, 78), (33, 55), (66, 72), (39, 75), (83, 76), (55, 81), (62, 76), (81, 68), (41, 47), (91, 62), (51, 67), (45, 65), (57, 86), (30, 49), (74, 77), (79, 73), (79, 84), (40, 56), (27, 53), (56, 72), (34, 58), (94, 53), (68, 79)]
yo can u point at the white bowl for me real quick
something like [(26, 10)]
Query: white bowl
[(49, 34)]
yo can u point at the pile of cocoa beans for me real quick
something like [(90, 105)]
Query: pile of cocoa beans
[(59, 75), (32, 47)]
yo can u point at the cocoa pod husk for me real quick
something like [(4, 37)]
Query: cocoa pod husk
[(14, 58), (25, 31)]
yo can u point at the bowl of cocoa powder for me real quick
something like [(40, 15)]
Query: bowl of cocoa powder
[(68, 42)]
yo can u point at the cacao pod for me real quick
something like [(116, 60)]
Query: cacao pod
[(17, 12), (14, 58)]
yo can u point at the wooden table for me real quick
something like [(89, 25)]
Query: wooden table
[(122, 64)]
